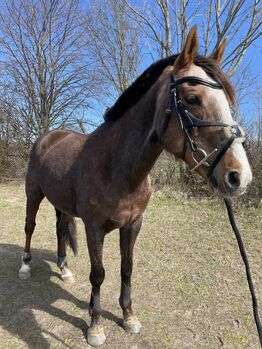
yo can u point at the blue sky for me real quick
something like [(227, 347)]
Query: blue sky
[(248, 105)]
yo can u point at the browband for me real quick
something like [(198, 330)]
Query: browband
[(194, 80)]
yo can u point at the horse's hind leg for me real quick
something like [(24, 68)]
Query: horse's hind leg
[(34, 197), (95, 240), (127, 241), (65, 226)]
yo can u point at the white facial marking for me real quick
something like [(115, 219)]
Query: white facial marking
[(246, 173), (217, 96), (220, 102)]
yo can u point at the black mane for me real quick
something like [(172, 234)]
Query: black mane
[(142, 84), (137, 90)]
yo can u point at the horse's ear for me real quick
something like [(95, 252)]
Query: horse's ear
[(218, 54), (189, 51)]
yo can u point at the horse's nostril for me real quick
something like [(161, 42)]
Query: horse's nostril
[(233, 179)]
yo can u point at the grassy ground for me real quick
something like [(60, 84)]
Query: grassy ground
[(189, 287)]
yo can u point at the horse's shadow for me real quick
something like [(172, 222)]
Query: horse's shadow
[(20, 298)]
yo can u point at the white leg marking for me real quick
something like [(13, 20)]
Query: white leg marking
[(67, 275), (132, 325), (24, 271)]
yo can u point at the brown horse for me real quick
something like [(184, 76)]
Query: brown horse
[(180, 104)]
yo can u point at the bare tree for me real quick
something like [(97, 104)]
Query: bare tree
[(115, 44), (254, 144), (47, 80), (166, 23)]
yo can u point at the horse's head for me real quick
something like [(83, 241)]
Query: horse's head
[(198, 126)]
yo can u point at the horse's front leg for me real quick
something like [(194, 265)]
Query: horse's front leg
[(127, 241), (95, 240)]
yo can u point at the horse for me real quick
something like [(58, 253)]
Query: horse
[(180, 104)]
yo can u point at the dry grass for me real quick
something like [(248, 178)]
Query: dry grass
[(189, 287)]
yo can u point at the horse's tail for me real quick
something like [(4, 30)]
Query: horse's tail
[(71, 235), (66, 227)]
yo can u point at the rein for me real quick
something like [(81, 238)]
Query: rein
[(187, 122), (247, 267)]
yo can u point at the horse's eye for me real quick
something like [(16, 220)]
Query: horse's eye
[(193, 99)]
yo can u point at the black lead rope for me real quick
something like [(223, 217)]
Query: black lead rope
[(188, 121), (246, 263)]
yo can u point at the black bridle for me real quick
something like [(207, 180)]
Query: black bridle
[(188, 121)]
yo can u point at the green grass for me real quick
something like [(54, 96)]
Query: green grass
[(189, 286)]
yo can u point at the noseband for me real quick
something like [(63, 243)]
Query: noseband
[(188, 121)]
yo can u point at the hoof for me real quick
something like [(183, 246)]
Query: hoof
[(96, 336), (24, 272), (132, 325), (67, 276)]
